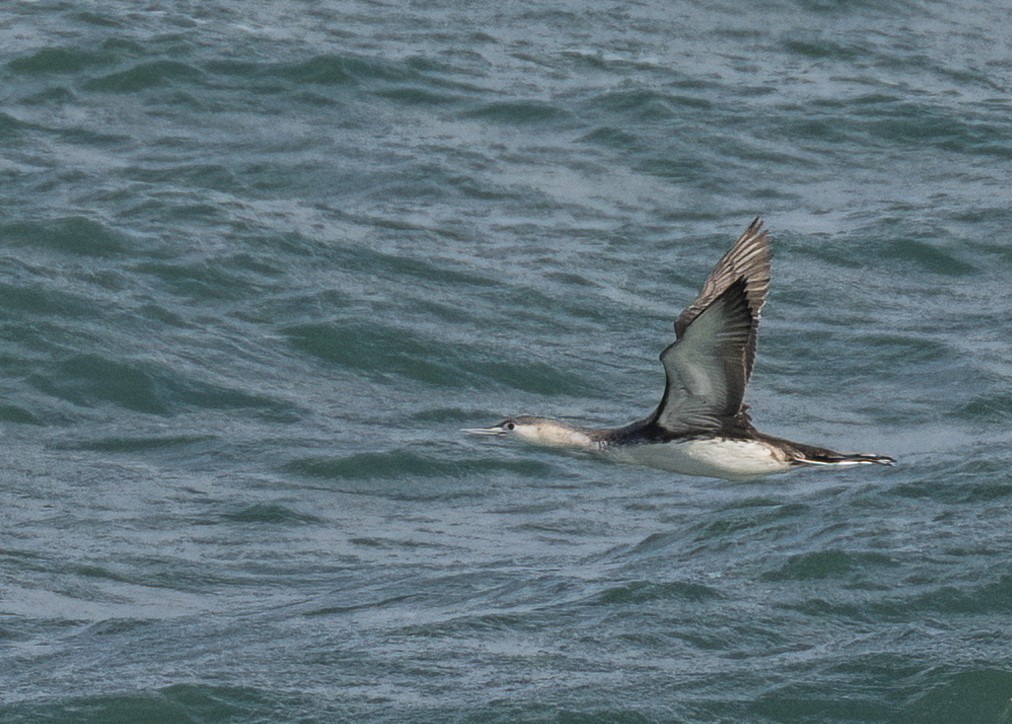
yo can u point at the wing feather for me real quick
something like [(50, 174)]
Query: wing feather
[(708, 366), (748, 258), (705, 367)]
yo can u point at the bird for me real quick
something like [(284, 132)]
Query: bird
[(702, 425)]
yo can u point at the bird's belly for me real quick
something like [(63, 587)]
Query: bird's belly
[(708, 457)]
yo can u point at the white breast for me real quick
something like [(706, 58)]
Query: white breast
[(711, 457)]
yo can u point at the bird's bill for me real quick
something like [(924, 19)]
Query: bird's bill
[(497, 430)]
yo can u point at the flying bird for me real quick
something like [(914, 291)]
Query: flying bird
[(701, 426)]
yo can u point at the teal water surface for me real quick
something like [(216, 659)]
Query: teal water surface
[(261, 262)]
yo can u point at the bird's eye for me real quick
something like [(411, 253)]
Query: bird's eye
[(509, 425)]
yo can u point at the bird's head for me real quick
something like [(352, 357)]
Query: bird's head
[(536, 430)]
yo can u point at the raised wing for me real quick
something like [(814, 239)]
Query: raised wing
[(748, 259), (708, 365), (705, 366)]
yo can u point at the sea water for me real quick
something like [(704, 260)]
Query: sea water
[(260, 262)]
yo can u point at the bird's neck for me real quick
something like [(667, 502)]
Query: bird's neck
[(553, 433)]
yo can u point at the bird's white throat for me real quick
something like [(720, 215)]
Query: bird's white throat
[(549, 433)]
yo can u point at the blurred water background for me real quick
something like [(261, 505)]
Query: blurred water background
[(259, 262)]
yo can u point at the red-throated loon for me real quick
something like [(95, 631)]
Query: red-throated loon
[(701, 426)]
